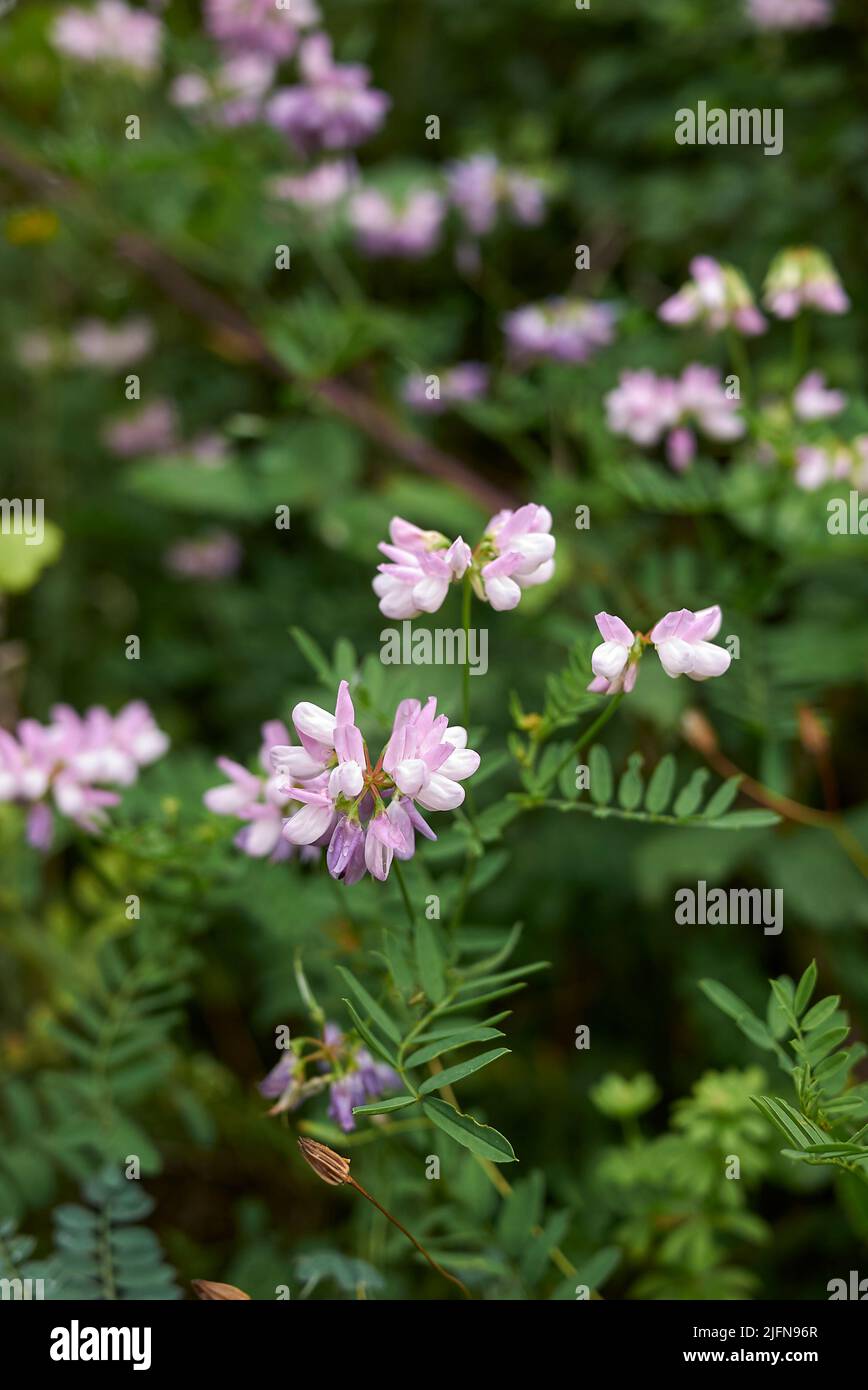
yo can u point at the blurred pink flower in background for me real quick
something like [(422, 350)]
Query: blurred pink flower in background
[(210, 557), (152, 429), (318, 189), (107, 346), (334, 108), (466, 381), (645, 408), (72, 759), (479, 186), (260, 801), (789, 14), (259, 26), (565, 330), (812, 400), (717, 296), (111, 34), (233, 95), (408, 227), (803, 278)]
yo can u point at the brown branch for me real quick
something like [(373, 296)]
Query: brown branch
[(338, 395)]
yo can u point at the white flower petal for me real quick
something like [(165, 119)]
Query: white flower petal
[(441, 794)]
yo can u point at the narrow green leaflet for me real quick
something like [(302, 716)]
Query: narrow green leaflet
[(371, 1038), (661, 785), (429, 962), (460, 1070), (370, 1006), (450, 1041), (384, 1107), (480, 1139)]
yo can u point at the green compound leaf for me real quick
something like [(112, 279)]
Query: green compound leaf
[(480, 1139)]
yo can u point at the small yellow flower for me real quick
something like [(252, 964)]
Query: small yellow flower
[(30, 226)]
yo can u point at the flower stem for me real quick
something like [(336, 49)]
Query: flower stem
[(411, 918), (612, 703), (453, 1279), (466, 605)]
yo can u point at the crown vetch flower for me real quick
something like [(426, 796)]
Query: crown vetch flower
[(789, 14), (681, 641), (333, 108), (259, 26), (233, 96), (800, 278), (112, 34), (261, 802), (352, 1075), (417, 572), (515, 553), (364, 814), (813, 400), (408, 228), (644, 407), (717, 296), (466, 381), (480, 185), (521, 548), (73, 759), (565, 330)]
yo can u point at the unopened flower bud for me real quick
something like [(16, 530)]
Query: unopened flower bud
[(696, 729), (815, 739)]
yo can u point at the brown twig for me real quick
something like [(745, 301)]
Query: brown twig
[(337, 395)]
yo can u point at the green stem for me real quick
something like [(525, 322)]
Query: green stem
[(801, 343), (739, 358), (466, 605), (612, 703), (404, 894)]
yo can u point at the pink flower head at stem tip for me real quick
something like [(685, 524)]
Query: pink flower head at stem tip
[(365, 815), (516, 552)]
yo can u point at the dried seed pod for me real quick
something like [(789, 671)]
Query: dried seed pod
[(332, 1167), (210, 1292)]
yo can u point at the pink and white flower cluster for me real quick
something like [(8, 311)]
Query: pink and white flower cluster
[(72, 760), (716, 296), (565, 330), (352, 1075), (644, 407), (831, 462), (333, 108), (261, 802), (233, 95), (789, 14), (681, 642), (803, 278), (466, 381), (366, 815), (112, 34), (480, 186), (259, 26), (93, 343), (516, 552), (408, 227), (318, 190), (813, 400)]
